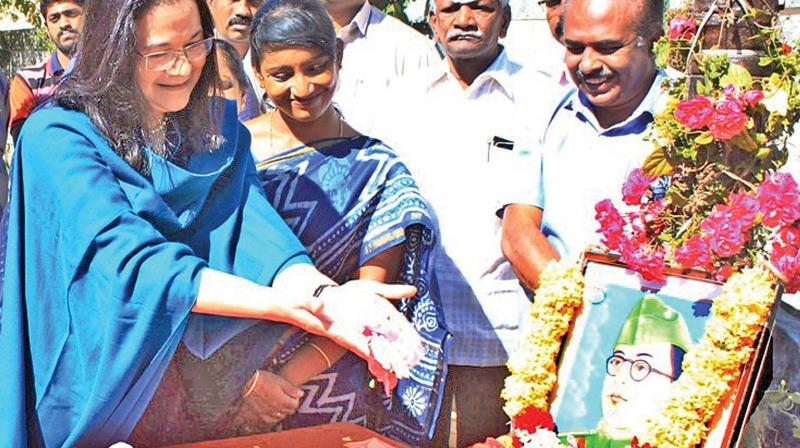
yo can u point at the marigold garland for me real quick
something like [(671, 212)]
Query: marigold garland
[(710, 368), (533, 365), (713, 364)]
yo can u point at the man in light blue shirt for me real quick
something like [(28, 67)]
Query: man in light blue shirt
[(595, 136)]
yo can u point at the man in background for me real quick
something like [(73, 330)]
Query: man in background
[(33, 85), (232, 21), (458, 124), (595, 137), (378, 50)]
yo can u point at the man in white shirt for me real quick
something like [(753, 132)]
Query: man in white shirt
[(378, 50), (462, 121), (595, 136)]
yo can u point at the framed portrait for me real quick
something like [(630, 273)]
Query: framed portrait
[(625, 350)]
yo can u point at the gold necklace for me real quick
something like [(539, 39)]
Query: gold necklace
[(275, 111)]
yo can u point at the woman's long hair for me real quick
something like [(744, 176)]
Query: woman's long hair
[(103, 85)]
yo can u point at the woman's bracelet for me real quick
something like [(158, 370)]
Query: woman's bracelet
[(252, 385), (321, 352), (321, 288)]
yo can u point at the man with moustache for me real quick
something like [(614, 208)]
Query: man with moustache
[(232, 20), (378, 51), (595, 137), (461, 121), (32, 86)]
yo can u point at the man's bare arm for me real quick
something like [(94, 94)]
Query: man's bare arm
[(524, 244)]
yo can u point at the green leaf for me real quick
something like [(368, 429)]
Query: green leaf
[(704, 138), (661, 52), (657, 163), (762, 153), (738, 76), (745, 141), (764, 61)]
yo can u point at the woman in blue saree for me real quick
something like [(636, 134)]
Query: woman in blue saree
[(137, 228), (358, 212)]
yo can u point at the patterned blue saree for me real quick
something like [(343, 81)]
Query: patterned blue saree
[(348, 202)]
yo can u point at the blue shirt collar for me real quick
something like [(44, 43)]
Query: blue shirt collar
[(636, 122)]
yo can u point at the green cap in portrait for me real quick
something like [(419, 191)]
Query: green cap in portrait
[(653, 321)]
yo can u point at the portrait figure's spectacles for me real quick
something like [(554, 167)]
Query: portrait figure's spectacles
[(549, 3), (639, 370), (164, 60)]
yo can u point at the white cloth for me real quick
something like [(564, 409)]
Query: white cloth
[(444, 139), (378, 50)]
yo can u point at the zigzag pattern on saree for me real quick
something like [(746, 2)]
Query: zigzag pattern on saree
[(318, 399)]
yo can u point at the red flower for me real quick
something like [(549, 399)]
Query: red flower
[(728, 119), (611, 224), (386, 377), (753, 97), (531, 419), (682, 28), (695, 113), (786, 49), (693, 253), (724, 273), (636, 186), (779, 200), (636, 444)]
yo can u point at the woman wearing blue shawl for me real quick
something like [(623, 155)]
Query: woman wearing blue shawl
[(136, 215), (358, 212)]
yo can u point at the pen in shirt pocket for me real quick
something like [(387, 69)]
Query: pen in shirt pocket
[(499, 143)]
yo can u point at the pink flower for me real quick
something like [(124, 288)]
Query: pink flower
[(693, 253), (785, 256), (695, 113), (612, 225), (648, 263), (779, 200), (743, 208), (728, 119), (635, 187), (731, 92), (753, 97), (725, 234), (682, 28)]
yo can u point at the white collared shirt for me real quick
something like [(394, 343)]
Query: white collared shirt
[(443, 137), (378, 50)]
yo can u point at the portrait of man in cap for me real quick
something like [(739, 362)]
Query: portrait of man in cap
[(639, 372)]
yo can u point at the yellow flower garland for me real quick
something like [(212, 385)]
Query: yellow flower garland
[(713, 364), (709, 369), (533, 364)]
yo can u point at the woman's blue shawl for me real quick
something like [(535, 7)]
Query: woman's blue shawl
[(102, 270)]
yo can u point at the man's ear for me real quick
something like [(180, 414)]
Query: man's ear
[(339, 52), (506, 21), (432, 23)]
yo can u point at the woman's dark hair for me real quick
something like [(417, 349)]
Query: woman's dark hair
[(44, 4), (232, 60), (102, 83), (281, 24)]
